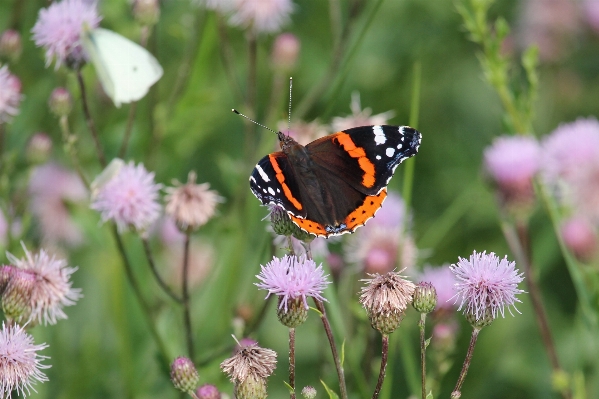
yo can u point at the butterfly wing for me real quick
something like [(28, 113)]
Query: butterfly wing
[(125, 69), (273, 182), (365, 157)]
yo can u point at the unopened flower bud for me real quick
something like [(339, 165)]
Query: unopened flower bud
[(295, 314), (303, 235), (253, 387), (208, 391), (39, 148), (285, 51), (10, 45), (580, 238), (61, 102), (309, 392), (146, 12), (184, 374), (281, 222), (16, 297), (425, 297), (6, 272)]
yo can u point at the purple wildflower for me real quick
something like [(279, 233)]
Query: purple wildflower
[(580, 237), (512, 161), (52, 289), (10, 94), (58, 30), (20, 366), (263, 16), (486, 284), (208, 391), (359, 116), (129, 197), (291, 278)]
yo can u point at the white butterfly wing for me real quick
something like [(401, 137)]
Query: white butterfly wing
[(125, 69)]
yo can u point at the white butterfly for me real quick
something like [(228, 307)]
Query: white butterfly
[(125, 69)]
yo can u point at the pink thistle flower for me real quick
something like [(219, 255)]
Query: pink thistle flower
[(263, 16), (20, 366), (129, 197), (359, 116), (10, 95), (512, 161), (568, 147), (52, 188), (285, 50), (486, 284), (444, 282), (580, 237), (303, 132), (58, 30), (292, 278), (52, 289), (208, 391)]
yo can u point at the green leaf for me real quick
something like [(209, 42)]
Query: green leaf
[(332, 394)]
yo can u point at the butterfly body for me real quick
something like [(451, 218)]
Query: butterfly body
[(334, 184)]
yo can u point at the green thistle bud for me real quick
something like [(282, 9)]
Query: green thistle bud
[(10, 45), (253, 387), (16, 298), (295, 315), (60, 102), (281, 222), (425, 297), (184, 374), (384, 322), (309, 392), (302, 235), (249, 368)]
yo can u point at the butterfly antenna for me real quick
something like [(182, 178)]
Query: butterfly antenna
[(289, 110), (253, 121)]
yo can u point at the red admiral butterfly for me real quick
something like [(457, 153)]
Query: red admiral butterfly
[(334, 184)]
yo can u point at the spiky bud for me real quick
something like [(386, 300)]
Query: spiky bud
[(296, 313), (482, 321), (425, 297), (309, 392), (16, 298), (281, 222), (208, 391), (60, 102), (184, 374), (10, 45), (39, 148)]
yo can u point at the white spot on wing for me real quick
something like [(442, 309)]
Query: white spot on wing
[(378, 157), (271, 191), (263, 175), (379, 135), (390, 151)]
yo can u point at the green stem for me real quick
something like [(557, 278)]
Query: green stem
[(146, 311), (292, 362), (421, 326), (89, 121), (185, 290), (159, 280)]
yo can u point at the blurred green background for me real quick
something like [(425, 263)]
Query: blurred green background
[(104, 348)]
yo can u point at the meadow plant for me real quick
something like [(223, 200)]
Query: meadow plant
[(171, 272)]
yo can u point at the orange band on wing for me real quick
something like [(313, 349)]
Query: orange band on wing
[(365, 211), (310, 226), (356, 152), (281, 179)]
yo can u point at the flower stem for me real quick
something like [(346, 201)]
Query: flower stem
[(185, 290), (89, 120), (329, 332), (292, 362), (68, 141), (458, 386), (128, 129), (421, 325), (537, 303), (138, 294), (385, 353), (159, 279)]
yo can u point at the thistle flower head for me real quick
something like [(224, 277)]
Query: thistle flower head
[(512, 161), (425, 297), (191, 205), (208, 391), (10, 45), (249, 361), (127, 195), (262, 16), (184, 375), (580, 238), (10, 94), (359, 116), (444, 282), (385, 299), (52, 289), (59, 27), (16, 296), (293, 278), (486, 285), (20, 364)]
